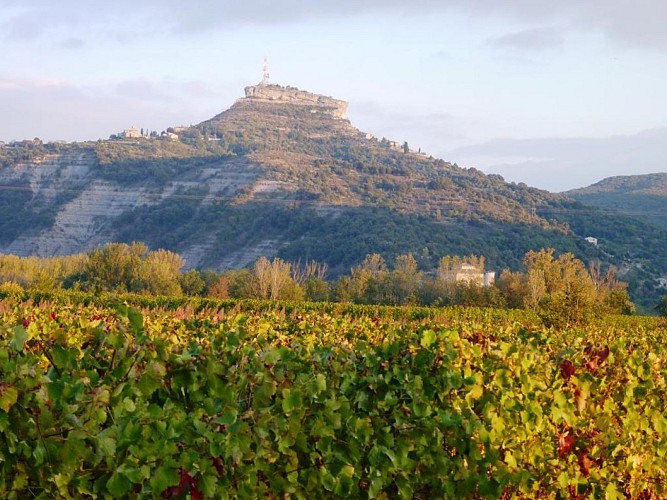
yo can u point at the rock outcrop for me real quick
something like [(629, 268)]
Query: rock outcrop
[(291, 95)]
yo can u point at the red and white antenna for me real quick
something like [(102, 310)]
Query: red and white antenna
[(265, 75)]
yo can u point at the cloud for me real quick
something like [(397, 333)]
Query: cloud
[(55, 110), (638, 23), (533, 39), (71, 43), (141, 90), (559, 164), (22, 28), (422, 130)]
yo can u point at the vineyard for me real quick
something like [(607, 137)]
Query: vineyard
[(147, 398)]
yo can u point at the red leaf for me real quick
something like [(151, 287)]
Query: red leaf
[(584, 464), (195, 494), (219, 465), (597, 357), (566, 369), (603, 354), (565, 443)]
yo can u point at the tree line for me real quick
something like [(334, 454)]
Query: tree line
[(561, 288)]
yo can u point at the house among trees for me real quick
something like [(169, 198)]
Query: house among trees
[(169, 135), (131, 133), (468, 273), (591, 240)]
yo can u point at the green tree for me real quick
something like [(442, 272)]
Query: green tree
[(160, 273), (317, 290), (559, 289), (210, 277), (116, 266), (192, 282), (368, 281), (133, 268), (405, 279), (662, 306), (239, 283), (513, 287)]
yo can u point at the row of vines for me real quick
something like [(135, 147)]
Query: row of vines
[(250, 400)]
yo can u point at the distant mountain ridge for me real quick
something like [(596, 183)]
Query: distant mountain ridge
[(637, 184), (643, 196), (283, 173)]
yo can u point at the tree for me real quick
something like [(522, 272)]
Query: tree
[(132, 268), (662, 306), (405, 279), (559, 289), (367, 283), (317, 290), (160, 273), (220, 288), (240, 283), (513, 287), (311, 269), (210, 277), (612, 294), (434, 292), (192, 282), (115, 267), (273, 280)]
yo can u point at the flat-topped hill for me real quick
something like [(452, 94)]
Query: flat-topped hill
[(283, 173), (291, 95)]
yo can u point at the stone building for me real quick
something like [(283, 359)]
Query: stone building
[(467, 273), (131, 133)]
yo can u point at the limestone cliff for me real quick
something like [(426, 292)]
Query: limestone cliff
[(291, 95)]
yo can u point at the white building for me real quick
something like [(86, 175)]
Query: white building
[(467, 273), (131, 133)]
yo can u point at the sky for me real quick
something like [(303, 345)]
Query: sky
[(557, 95)]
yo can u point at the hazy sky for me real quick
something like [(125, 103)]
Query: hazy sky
[(554, 94)]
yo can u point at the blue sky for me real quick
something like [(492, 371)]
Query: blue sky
[(554, 94)]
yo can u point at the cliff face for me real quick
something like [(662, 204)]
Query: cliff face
[(292, 95), (80, 209)]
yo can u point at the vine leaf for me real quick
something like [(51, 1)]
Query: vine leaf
[(20, 338)]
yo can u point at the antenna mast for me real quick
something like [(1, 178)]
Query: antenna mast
[(265, 76)]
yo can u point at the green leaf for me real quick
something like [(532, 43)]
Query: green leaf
[(321, 382), (208, 485), (375, 487), (132, 473), (107, 446), (476, 392), (428, 338), (611, 493), (39, 453), (20, 337), (128, 405), (404, 487), (118, 485), (8, 397), (291, 400), (163, 478), (136, 323), (148, 384)]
